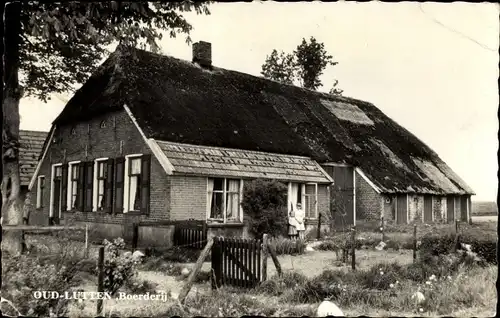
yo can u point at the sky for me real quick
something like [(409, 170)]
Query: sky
[(432, 67)]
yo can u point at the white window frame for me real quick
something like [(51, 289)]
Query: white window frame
[(51, 204), (39, 194), (95, 193), (126, 183), (315, 197), (69, 193), (224, 192)]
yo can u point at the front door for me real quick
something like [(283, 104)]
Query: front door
[(56, 203)]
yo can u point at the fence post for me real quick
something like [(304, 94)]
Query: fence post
[(215, 260), (86, 240), (457, 234), (277, 264), (318, 234), (197, 266), (382, 228), (264, 257), (100, 280), (353, 248), (414, 242)]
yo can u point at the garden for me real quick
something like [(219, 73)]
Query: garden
[(446, 276)]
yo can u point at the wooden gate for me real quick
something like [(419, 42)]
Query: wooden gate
[(236, 262)]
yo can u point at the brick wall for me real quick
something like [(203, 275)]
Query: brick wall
[(369, 203), (112, 135), (439, 208), (189, 197)]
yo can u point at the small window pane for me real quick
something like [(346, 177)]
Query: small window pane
[(102, 169), (74, 171), (58, 171), (218, 184), (135, 166), (217, 206)]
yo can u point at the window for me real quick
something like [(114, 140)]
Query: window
[(223, 199), (134, 189), (73, 131), (137, 175), (306, 195), (310, 197), (39, 191), (101, 178), (74, 170), (103, 124)]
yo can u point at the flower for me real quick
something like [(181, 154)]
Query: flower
[(428, 283), (433, 277), (391, 285), (449, 277), (397, 282), (381, 273), (421, 309)]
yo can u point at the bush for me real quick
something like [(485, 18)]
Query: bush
[(118, 268), (23, 275), (381, 276), (141, 287), (437, 245), (484, 248), (264, 203)]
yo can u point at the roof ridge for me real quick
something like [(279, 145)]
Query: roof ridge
[(123, 51)]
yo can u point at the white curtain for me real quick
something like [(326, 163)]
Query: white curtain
[(133, 192), (293, 191), (100, 194), (232, 199), (136, 166), (210, 189)]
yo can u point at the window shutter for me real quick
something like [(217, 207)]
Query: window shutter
[(109, 186), (119, 190), (89, 185), (145, 183), (64, 188), (81, 186)]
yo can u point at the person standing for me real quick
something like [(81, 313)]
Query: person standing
[(299, 219)]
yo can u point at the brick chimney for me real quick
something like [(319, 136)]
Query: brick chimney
[(202, 54)]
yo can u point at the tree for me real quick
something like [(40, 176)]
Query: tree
[(50, 47), (312, 59), (279, 67), (305, 65)]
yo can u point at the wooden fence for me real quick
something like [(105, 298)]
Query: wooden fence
[(190, 234), (236, 262)]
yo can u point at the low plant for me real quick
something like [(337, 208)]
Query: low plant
[(286, 246), (119, 268)]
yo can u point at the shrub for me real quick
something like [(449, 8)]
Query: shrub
[(23, 275), (382, 275), (264, 203), (437, 245), (118, 268), (484, 248), (141, 287)]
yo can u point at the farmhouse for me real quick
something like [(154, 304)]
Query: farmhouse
[(154, 138), (31, 144)]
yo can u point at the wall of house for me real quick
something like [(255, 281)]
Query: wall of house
[(369, 203), (389, 202), (118, 138), (188, 198), (416, 208)]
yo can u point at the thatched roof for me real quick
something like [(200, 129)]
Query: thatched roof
[(31, 144), (178, 101)]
